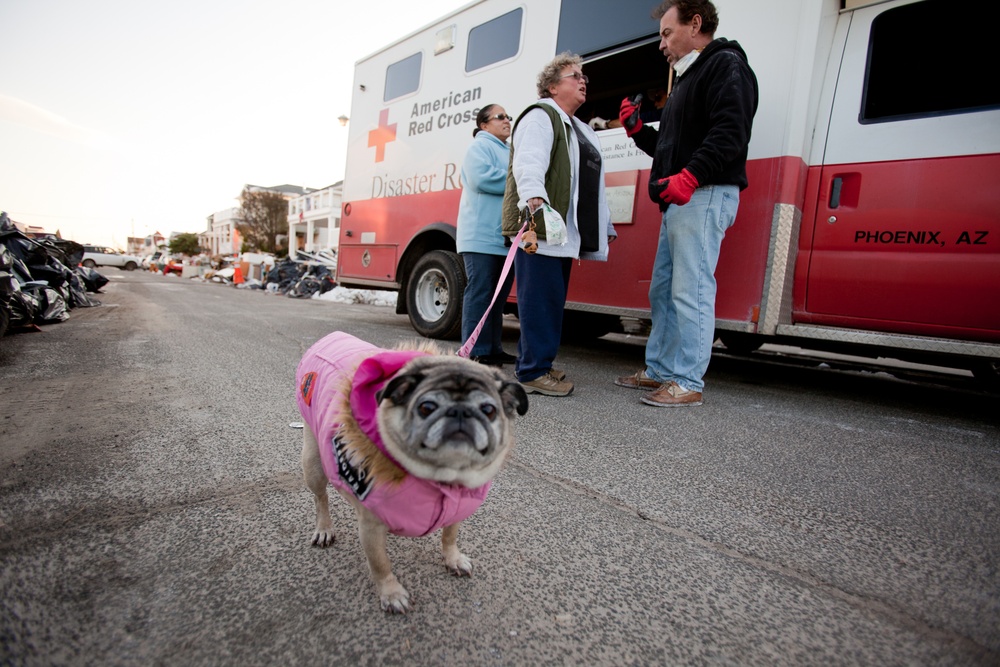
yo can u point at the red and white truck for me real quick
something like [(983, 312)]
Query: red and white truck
[(872, 221)]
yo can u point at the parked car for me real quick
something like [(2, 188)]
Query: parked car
[(94, 256)]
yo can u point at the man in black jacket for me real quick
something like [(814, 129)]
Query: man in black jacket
[(699, 168)]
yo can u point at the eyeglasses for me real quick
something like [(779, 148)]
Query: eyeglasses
[(501, 116), (578, 76)]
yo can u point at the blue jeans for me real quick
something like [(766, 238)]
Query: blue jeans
[(542, 283), (682, 290), (482, 274)]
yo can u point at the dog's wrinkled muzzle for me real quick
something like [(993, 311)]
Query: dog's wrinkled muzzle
[(460, 428)]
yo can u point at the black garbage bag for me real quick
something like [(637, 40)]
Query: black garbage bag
[(55, 308), (4, 317), (52, 273), (14, 264), (91, 279), (284, 274), (69, 253), (77, 292), (44, 260), (315, 278), (8, 286), (27, 250), (50, 305), (325, 276), (23, 308)]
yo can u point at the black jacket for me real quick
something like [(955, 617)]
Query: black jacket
[(705, 126)]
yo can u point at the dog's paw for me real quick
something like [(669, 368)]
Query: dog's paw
[(394, 599), (322, 538), (459, 565)]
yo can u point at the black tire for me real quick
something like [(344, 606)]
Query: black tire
[(738, 342), (89, 263), (582, 327), (130, 266), (434, 295)]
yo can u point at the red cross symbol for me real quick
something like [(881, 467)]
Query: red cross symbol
[(382, 135)]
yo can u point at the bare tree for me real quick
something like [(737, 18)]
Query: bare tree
[(264, 216)]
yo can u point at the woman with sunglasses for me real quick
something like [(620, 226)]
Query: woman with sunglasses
[(555, 161), (479, 242)]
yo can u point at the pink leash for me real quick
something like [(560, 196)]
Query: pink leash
[(466, 349)]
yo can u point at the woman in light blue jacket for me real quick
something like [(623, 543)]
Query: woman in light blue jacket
[(484, 174)]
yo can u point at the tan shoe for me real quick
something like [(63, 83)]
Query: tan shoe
[(638, 381), (548, 386), (671, 395)]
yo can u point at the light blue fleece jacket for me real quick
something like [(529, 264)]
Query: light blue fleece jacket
[(484, 175)]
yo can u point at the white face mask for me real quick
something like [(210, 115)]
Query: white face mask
[(685, 62)]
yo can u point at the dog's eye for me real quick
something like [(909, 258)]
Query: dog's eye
[(427, 408), (489, 410)]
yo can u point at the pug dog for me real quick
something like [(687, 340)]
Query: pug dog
[(411, 438)]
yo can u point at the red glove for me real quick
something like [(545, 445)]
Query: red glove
[(676, 189), (625, 115)]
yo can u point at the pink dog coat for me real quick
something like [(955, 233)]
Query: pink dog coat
[(413, 507)]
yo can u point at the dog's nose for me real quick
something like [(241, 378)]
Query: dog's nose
[(462, 411)]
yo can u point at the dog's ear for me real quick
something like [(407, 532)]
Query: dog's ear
[(515, 399), (399, 388)]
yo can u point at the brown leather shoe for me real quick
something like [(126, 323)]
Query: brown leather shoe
[(671, 395), (638, 381)]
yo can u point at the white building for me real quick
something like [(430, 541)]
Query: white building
[(314, 219), (222, 236)]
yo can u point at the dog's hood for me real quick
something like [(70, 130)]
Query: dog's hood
[(370, 377)]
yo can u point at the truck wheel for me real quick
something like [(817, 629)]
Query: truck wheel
[(739, 342), (434, 295), (89, 263), (130, 266)]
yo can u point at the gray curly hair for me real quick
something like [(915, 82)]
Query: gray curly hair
[(549, 76)]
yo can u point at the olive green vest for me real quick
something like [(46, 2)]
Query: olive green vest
[(557, 179)]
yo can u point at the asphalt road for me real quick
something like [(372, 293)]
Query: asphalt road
[(152, 511)]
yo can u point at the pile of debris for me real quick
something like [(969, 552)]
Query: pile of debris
[(304, 275), (301, 276), (41, 280)]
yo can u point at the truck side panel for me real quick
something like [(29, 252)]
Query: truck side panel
[(904, 235)]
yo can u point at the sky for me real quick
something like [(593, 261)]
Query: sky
[(122, 118)]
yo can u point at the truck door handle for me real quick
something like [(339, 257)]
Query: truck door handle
[(835, 188)]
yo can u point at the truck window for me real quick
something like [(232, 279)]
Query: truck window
[(402, 77), (904, 78), (495, 40)]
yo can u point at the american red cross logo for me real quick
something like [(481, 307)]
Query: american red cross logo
[(382, 135)]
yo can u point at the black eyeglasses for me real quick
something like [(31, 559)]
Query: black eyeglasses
[(576, 75), (501, 116)]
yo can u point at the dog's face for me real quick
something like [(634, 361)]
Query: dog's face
[(449, 419)]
